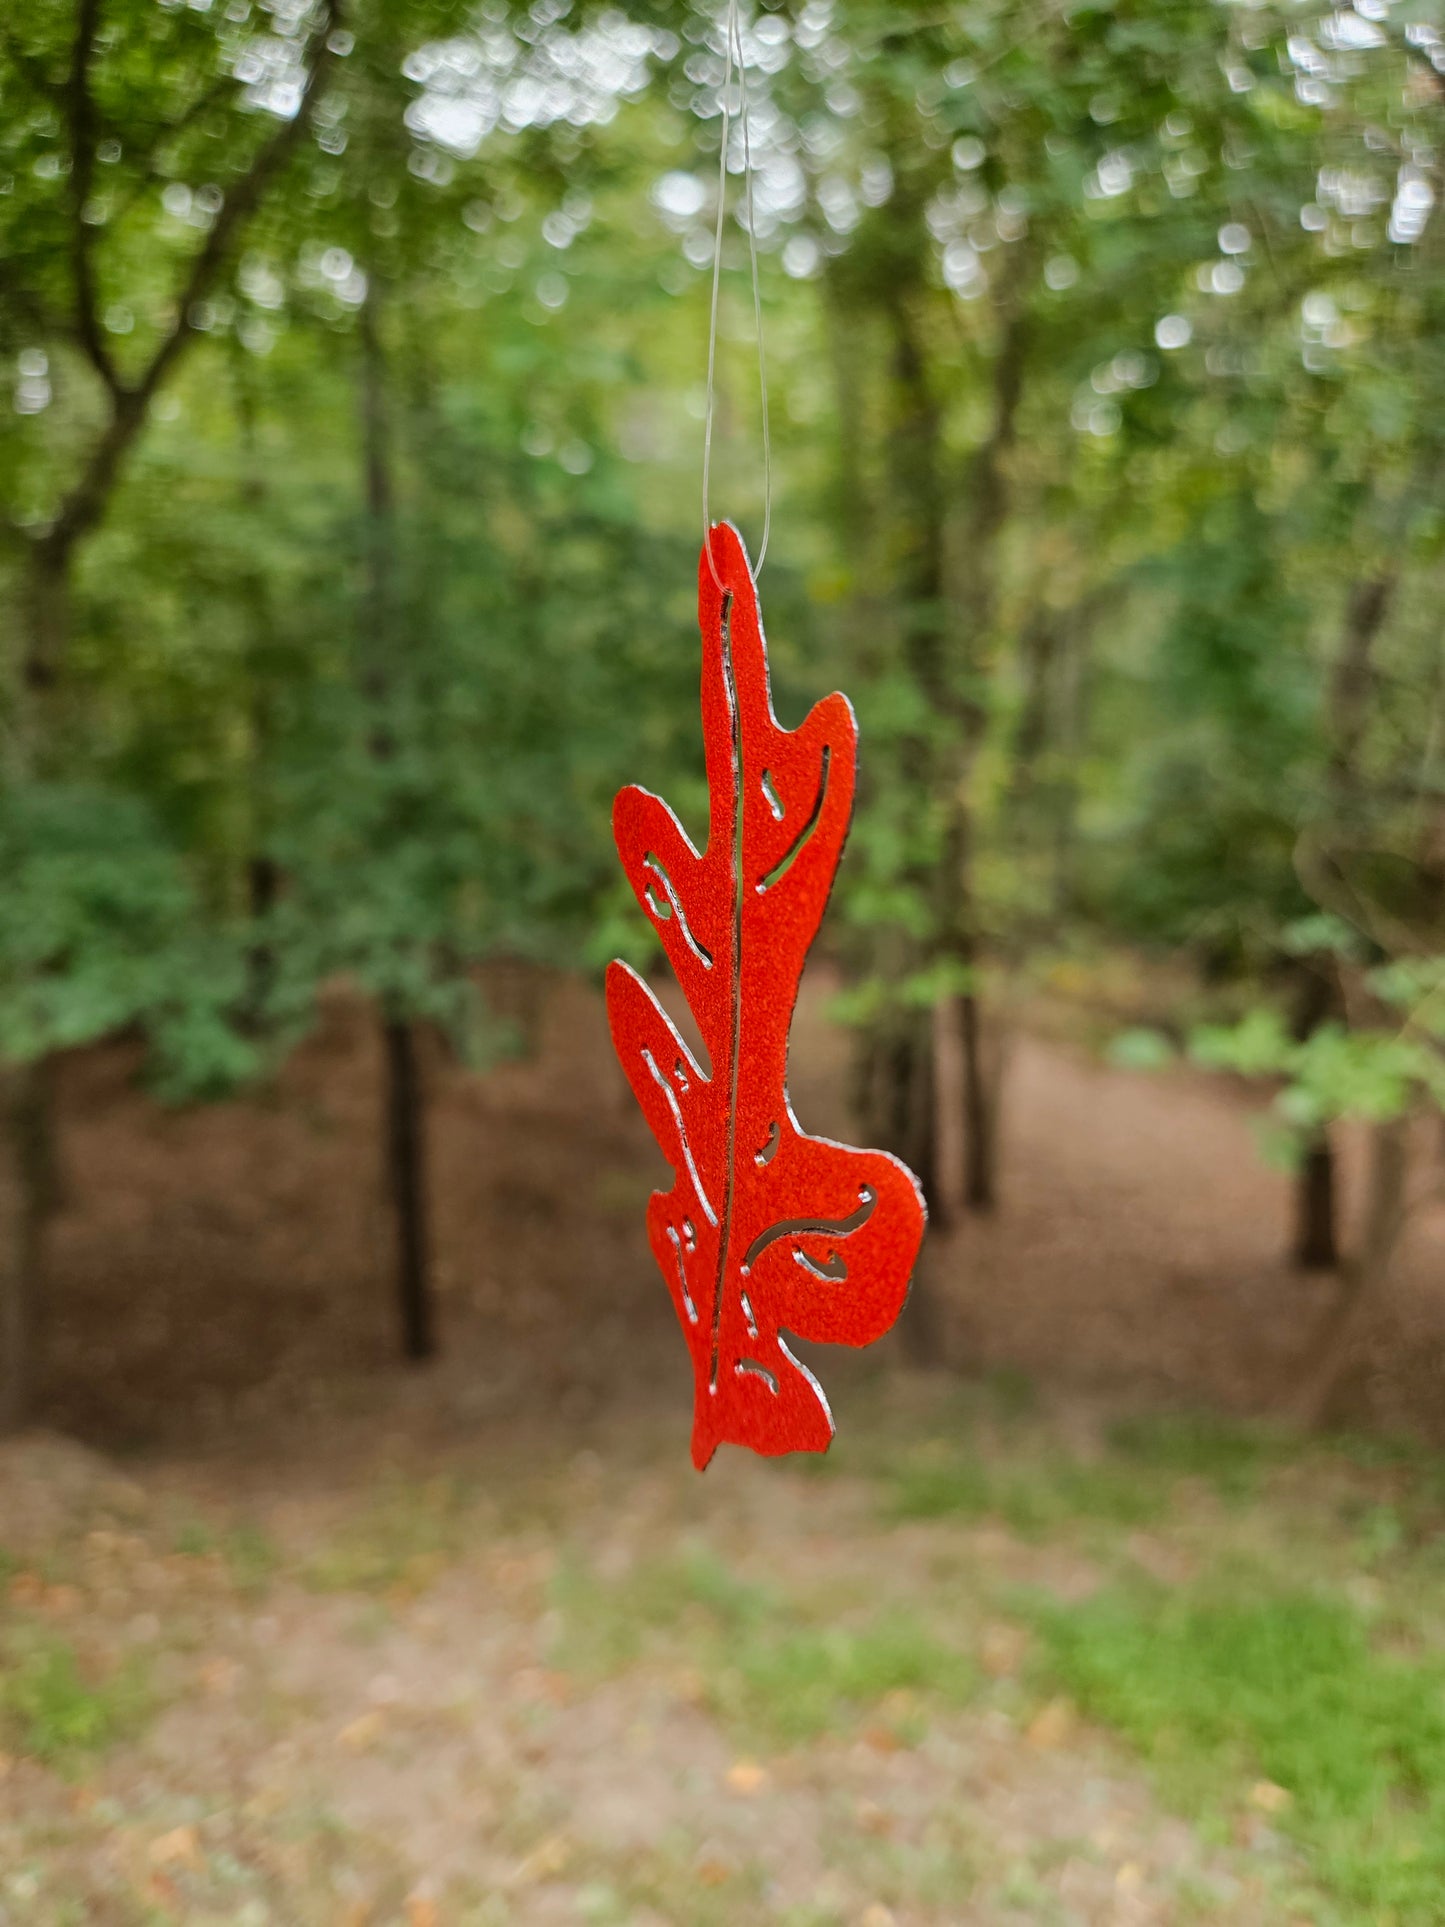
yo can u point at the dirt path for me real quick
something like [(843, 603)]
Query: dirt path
[(527, 1688), (313, 1639), (227, 1267)]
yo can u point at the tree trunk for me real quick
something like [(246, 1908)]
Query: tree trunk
[(897, 1098), (29, 1120), (1352, 680), (406, 1162), (262, 875), (980, 1189), (1315, 1245), (47, 639), (379, 613), (1334, 1381), (894, 1092), (404, 1100), (950, 1111), (922, 1329)]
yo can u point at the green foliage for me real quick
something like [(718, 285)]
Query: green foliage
[(1141, 1050), (103, 931), (1220, 1687), (1375, 1073)]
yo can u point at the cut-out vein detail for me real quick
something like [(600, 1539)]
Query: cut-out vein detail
[(770, 1149), (676, 1109), (753, 1369), (682, 1276), (665, 912), (832, 1267), (747, 1305), (770, 794), (797, 1227), (782, 867)]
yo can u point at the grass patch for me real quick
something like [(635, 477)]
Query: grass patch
[(1034, 1497), (53, 1710), (401, 1541), (1232, 1458), (1219, 1691), (937, 1867), (765, 1669), (669, 1883), (791, 1684), (1037, 1486), (250, 1556), (608, 1624)]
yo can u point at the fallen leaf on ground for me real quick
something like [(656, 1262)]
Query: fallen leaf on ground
[(871, 1818), (1052, 1725), (689, 1685), (711, 1869), (1129, 1877), (362, 1732), (178, 1848), (1270, 1798), (746, 1776), (882, 1739), (219, 1677), (547, 1859), (1002, 1650), (265, 1803), (877, 1916), (421, 1911), (1159, 1559)]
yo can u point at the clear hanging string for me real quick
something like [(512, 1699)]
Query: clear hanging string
[(734, 48)]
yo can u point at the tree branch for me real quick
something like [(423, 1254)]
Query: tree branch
[(239, 204), (1322, 876), (86, 502), (167, 135), (80, 111)]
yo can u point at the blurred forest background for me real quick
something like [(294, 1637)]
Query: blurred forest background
[(352, 363), (350, 483)]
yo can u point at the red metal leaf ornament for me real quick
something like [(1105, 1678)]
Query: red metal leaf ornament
[(766, 1232)]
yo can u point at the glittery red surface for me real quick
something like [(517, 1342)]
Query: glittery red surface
[(766, 1231)]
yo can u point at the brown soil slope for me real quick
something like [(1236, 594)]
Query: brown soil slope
[(228, 1266)]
